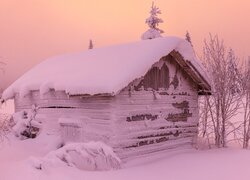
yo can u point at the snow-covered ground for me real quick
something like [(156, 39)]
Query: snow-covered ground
[(228, 164), (219, 164)]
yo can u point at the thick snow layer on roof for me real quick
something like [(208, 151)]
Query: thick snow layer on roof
[(100, 70)]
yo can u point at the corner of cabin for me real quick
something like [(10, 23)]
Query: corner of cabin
[(159, 110)]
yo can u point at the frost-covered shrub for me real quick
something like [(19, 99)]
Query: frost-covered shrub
[(25, 124), (84, 156), (5, 125)]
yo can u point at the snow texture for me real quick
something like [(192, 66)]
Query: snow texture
[(151, 34), (84, 156), (101, 70), (218, 164), (23, 120)]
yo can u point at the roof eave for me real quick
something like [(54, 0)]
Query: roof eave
[(191, 70)]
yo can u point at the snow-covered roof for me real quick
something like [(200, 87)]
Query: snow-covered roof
[(100, 70)]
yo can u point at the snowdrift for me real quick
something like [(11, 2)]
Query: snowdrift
[(84, 156)]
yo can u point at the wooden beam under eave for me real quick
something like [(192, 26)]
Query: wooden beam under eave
[(190, 69)]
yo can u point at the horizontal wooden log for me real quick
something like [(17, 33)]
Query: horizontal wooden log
[(153, 96), (126, 154), (155, 132), (142, 126), (153, 110), (136, 142), (180, 91)]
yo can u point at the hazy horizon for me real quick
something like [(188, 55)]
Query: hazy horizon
[(32, 31)]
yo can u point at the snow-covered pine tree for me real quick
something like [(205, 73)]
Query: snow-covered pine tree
[(153, 21), (91, 46), (188, 38)]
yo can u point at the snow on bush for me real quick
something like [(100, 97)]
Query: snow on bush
[(25, 123), (84, 156)]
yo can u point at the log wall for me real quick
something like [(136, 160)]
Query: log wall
[(89, 116), (156, 112), (145, 124)]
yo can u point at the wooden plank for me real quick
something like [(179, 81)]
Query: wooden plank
[(126, 154), (155, 131)]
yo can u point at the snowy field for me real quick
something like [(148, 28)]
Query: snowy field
[(228, 164), (222, 164)]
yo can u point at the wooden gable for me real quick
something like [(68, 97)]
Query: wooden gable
[(160, 76)]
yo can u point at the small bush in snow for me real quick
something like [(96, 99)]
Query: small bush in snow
[(25, 124), (5, 126), (84, 156)]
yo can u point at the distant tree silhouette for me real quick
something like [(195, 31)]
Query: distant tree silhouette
[(188, 38), (91, 46)]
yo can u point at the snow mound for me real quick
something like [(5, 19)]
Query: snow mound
[(151, 34), (101, 70), (25, 124), (84, 156)]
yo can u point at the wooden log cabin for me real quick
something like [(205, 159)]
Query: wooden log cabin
[(139, 98)]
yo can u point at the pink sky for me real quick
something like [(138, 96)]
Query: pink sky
[(32, 30)]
